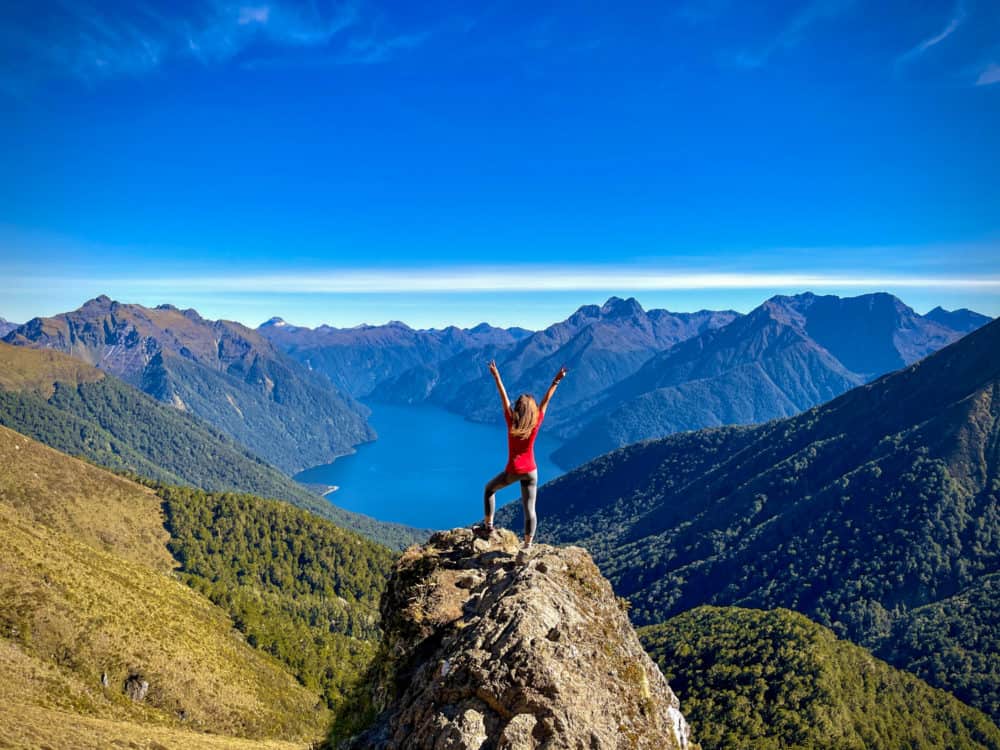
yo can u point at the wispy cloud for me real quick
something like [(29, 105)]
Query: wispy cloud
[(539, 279), (75, 38), (989, 75), (374, 48), (794, 30), (956, 20)]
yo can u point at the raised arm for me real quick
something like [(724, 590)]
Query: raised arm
[(503, 391), (552, 389)]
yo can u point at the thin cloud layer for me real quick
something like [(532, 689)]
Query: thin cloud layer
[(551, 279), (792, 33), (90, 42)]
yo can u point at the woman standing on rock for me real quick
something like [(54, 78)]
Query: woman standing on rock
[(523, 421)]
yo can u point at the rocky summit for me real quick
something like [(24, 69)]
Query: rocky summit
[(487, 649)]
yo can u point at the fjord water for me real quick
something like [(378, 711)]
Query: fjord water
[(427, 468)]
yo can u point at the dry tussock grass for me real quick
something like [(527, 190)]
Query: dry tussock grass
[(86, 589)]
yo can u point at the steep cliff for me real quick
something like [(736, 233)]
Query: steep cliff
[(484, 649)]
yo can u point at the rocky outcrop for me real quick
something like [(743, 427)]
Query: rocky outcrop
[(483, 649), (136, 687)]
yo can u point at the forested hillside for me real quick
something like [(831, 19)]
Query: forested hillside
[(774, 680), (863, 514), (78, 409)]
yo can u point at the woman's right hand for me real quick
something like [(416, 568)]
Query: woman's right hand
[(560, 375)]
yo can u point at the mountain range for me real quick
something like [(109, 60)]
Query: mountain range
[(358, 359), (223, 372), (288, 392), (875, 514), (6, 327), (394, 363), (638, 374), (600, 344), (787, 355)]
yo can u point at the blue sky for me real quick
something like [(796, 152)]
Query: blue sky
[(439, 163)]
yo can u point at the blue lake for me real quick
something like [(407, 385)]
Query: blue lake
[(427, 468)]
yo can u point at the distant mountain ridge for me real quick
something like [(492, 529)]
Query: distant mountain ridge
[(358, 359), (869, 514), (785, 356), (6, 327), (601, 345), (635, 374), (221, 371), (963, 319)]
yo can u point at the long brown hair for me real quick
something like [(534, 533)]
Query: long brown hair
[(524, 416)]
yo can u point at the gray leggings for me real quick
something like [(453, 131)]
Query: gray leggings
[(529, 489)]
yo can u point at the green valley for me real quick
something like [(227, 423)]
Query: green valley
[(80, 410)]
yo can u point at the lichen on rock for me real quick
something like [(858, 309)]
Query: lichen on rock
[(482, 651)]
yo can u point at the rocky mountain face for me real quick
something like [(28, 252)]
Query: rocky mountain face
[(227, 374), (875, 514), (787, 355), (358, 359), (6, 327), (600, 344), (482, 650)]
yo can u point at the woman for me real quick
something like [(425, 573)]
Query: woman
[(523, 421)]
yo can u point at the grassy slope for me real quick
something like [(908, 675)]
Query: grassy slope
[(72, 611), (35, 371), (75, 408), (82, 501), (774, 679)]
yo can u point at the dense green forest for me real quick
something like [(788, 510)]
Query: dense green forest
[(114, 425), (774, 680), (954, 642), (876, 515), (297, 586)]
